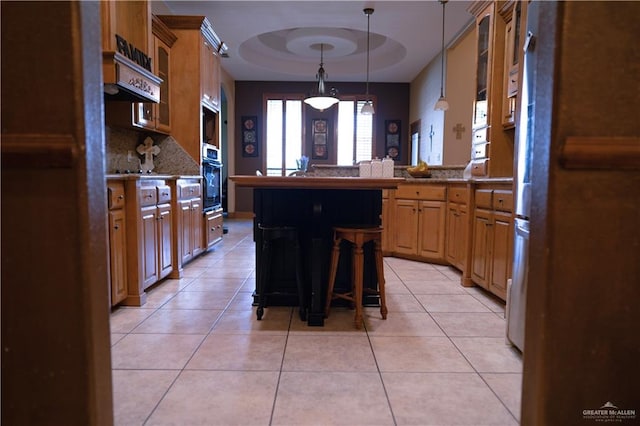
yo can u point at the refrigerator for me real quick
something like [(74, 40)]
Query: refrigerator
[(517, 288)]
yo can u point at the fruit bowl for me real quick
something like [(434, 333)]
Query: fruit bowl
[(419, 173)]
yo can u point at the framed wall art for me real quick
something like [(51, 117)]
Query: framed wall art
[(250, 146), (319, 135), (392, 138)]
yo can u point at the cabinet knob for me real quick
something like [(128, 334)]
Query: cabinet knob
[(116, 227), (120, 197)]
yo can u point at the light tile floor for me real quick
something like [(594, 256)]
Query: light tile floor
[(195, 354)]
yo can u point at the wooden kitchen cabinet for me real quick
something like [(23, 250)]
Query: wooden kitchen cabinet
[(492, 145), (155, 218), (117, 242), (149, 116), (492, 250), (213, 227), (194, 57), (149, 248), (420, 218), (188, 230), (457, 246), (210, 76)]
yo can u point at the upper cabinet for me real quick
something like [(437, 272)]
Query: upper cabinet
[(195, 100), (495, 98), (127, 47), (155, 117), (512, 15)]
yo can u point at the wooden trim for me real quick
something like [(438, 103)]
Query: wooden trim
[(241, 215), (162, 31), (37, 151), (607, 152)]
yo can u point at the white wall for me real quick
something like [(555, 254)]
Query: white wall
[(443, 148)]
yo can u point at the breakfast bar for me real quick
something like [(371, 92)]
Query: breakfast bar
[(313, 205)]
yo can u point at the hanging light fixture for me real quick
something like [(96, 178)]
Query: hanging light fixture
[(367, 108), (442, 104), (322, 100)]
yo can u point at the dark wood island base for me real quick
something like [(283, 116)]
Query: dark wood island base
[(314, 206)]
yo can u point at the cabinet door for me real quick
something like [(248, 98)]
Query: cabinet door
[(165, 265), (118, 258), (431, 229), (149, 255), (481, 247), (184, 233), (502, 254), (209, 76), (196, 227), (163, 116), (456, 220), (406, 229)]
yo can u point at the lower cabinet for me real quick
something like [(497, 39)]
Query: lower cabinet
[(117, 242), (213, 227), (156, 223), (466, 224), (188, 223), (420, 219), (492, 249)]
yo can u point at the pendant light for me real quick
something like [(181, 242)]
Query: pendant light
[(367, 108), (442, 104), (322, 100)]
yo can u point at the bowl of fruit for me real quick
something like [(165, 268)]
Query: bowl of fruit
[(421, 170)]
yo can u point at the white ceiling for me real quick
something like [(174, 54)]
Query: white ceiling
[(278, 40)]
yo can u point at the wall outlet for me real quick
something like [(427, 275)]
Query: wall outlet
[(129, 156)]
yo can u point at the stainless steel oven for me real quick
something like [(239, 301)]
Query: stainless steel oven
[(212, 178)]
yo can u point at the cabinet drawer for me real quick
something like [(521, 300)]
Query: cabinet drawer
[(479, 167), (116, 195), (483, 198), (148, 196), (458, 195), (480, 135), (421, 192), (503, 200), (191, 190), (164, 194), (480, 151)]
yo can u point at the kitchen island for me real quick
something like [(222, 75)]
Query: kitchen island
[(313, 205)]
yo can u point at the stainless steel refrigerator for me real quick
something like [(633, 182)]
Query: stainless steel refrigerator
[(517, 289)]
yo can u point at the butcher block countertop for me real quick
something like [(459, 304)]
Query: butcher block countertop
[(310, 182)]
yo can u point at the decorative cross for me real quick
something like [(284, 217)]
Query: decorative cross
[(459, 129), (148, 150)]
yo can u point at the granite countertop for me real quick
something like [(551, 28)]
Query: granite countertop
[(313, 182), (133, 176)]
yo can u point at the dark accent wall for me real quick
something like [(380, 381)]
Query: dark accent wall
[(391, 101)]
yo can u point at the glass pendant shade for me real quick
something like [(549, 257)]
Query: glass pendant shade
[(442, 104), (367, 108), (321, 100)]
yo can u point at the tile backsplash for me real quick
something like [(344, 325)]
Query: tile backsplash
[(122, 154)]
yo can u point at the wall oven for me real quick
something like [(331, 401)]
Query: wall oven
[(212, 178)]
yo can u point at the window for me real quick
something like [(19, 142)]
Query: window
[(284, 134), (355, 133)]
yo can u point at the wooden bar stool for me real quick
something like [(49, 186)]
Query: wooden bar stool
[(357, 236), (269, 235)]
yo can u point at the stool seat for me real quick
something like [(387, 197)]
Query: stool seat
[(269, 234), (358, 236)]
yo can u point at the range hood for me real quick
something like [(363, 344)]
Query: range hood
[(125, 80)]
